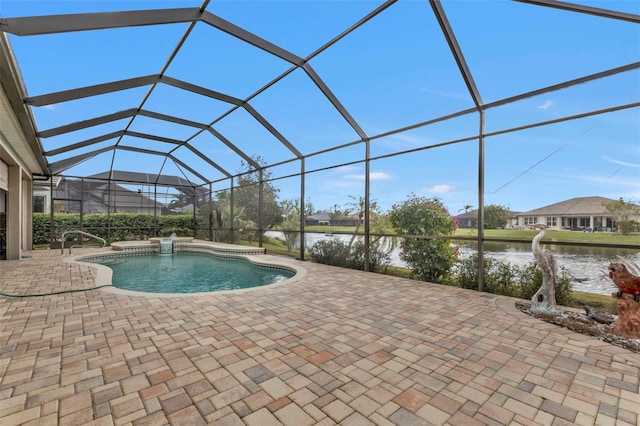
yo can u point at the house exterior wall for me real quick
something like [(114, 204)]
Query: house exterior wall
[(560, 222), (20, 164)]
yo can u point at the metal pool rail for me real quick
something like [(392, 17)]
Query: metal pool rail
[(104, 242)]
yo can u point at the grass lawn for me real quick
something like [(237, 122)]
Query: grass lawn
[(518, 234), (326, 228), (552, 235)]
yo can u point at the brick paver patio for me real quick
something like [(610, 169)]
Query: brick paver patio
[(337, 347)]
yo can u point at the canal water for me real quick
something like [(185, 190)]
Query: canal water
[(587, 265)]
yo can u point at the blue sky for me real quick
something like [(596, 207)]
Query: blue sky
[(393, 72)]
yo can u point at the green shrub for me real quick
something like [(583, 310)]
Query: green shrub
[(113, 227), (430, 259), (511, 280), (331, 252), (531, 281), (337, 253), (379, 260), (41, 227), (123, 226), (180, 232), (181, 224)]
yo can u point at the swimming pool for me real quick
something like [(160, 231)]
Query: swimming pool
[(188, 272)]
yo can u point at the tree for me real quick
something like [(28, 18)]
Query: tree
[(622, 213), (210, 218), (336, 213), (217, 216), (290, 225), (352, 254), (466, 208), (246, 195), (430, 259), (379, 247), (178, 204), (356, 207), (495, 216)]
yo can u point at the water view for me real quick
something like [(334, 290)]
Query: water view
[(587, 265)]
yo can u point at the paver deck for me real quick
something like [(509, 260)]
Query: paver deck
[(336, 347)]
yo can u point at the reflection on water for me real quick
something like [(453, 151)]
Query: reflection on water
[(587, 265)]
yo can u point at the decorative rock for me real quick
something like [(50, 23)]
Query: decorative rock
[(601, 316), (628, 323)]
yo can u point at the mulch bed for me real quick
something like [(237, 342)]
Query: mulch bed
[(580, 323)]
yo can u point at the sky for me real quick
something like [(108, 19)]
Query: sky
[(394, 72)]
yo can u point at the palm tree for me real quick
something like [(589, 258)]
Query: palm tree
[(227, 219), (377, 223), (466, 208)]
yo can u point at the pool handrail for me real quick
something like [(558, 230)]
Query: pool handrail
[(104, 242)]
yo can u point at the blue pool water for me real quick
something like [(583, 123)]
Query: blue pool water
[(188, 273)]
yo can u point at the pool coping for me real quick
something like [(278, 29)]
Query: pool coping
[(104, 274)]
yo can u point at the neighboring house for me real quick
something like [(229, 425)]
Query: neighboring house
[(99, 194), (470, 219), (322, 218), (329, 219), (181, 210), (42, 194), (69, 194), (512, 222), (579, 213)]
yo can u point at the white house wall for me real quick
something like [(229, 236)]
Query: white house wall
[(21, 164)]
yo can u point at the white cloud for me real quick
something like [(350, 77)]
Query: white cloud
[(379, 176), (49, 107), (546, 105), (440, 189)]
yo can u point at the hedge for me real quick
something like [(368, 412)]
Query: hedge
[(124, 226)]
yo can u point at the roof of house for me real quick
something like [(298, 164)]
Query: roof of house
[(320, 216), (328, 216), (473, 214), (46, 183), (148, 178), (572, 207)]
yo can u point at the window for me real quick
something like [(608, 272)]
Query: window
[(530, 221), (551, 221), (38, 204)]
